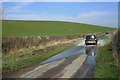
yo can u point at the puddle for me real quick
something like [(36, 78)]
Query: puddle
[(86, 71), (67, 53), (78, 49), (90, 62)]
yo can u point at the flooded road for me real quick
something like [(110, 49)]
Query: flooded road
[(67, 53), (76, 62), (86, 70), (79, 48)]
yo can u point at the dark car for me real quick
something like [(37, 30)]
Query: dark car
[(91, 40)]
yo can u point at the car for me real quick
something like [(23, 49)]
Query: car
[(91, 39), (106, 33)]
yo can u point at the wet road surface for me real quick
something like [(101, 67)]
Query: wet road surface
[(70, 52), (76, 62), (86, 70)]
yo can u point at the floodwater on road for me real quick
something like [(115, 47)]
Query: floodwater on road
[(79, 59), (67, 53), (86, 71), (80, 48)]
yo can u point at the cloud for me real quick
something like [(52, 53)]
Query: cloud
[(43, 16), (17, 7), (22, 5), (100, 18), (60, 0), (93, 14)]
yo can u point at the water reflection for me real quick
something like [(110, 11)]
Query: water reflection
[(91, 50), (67, 53), (93, 54), (86, 71)]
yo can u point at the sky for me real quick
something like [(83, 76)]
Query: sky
[(96, 13), (60, 0)]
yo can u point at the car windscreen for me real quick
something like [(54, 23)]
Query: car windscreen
[(90, 37)]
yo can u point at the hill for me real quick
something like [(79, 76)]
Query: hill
[(49, 28)]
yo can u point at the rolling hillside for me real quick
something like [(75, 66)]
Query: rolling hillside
[(49, 28)]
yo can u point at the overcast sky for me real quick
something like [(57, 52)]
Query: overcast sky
[(97, 13)]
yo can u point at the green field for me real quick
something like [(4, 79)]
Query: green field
[(49, 28)]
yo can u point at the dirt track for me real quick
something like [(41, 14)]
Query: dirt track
[(64, 68), (60, 67)]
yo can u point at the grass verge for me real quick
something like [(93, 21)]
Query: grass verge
[(13, 62), (105, 64)]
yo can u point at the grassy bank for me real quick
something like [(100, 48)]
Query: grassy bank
[(16, 43), (49, 28), (26, 57), (105, 64)]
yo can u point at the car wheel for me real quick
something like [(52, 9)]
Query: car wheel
[(86, 43)]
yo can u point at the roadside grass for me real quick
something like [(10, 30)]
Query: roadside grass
[(48, 28), (105, 64), (16, 61)]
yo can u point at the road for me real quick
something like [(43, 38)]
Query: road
[(76, 62)]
